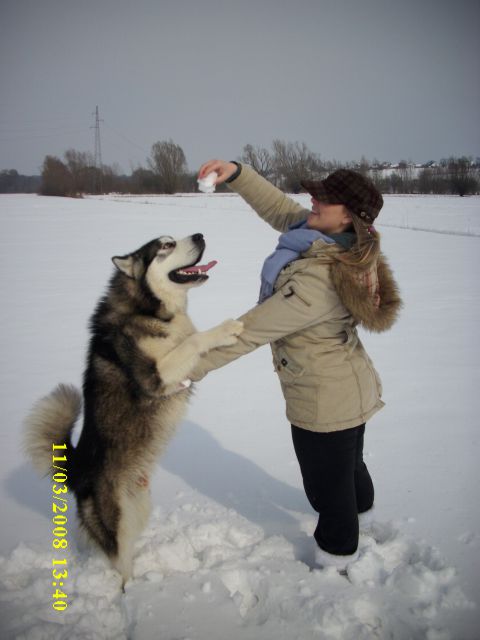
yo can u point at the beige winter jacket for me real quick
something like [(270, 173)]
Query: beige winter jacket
[(328, 380)]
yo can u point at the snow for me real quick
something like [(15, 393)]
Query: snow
[(228, 551), (207, 184)]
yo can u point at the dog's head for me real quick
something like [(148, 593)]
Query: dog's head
[(165, 264)]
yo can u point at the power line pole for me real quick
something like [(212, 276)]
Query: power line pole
[(98, 178)]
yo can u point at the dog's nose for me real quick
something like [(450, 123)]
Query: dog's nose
[(197, 237)]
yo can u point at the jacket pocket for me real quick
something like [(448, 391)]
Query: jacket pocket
[(288, 291), (301, 403), (286, 368), (299, 397)]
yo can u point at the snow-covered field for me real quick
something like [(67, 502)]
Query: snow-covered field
[(228, 552)]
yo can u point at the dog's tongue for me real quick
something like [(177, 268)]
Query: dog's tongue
[(200, 268)]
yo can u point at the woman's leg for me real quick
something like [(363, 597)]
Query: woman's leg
[(364, 490), (328, 462)]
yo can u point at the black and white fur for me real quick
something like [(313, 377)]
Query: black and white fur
[(135, 391)]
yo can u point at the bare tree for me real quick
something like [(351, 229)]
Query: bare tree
[(294, 162), (461, 176), (169, 164), (82, 168), (260, 159), (56, 178)]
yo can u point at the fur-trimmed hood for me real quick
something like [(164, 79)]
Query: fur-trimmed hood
[(371, 295)]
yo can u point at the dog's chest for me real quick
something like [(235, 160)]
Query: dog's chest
[(179, 328), (172, 334)]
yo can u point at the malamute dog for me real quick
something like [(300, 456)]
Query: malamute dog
[(135, 390)]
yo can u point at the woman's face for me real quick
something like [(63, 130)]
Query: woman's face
[(328, 218)]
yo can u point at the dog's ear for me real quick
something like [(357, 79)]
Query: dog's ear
[(125, 264)]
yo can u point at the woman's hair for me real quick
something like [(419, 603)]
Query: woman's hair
[(367, 245)]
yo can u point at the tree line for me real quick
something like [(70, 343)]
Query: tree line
[(285, 165), (13, 182)]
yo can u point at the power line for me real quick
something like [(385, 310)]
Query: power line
[(124, 137), (98, 154), (27, 136), (27, 128)]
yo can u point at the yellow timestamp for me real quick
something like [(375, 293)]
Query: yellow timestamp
[(60, 531)]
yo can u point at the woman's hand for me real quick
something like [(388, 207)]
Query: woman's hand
[(224, 170)]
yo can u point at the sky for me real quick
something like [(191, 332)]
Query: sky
[(350, 78)]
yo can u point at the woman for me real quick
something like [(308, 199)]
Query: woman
[(326, 276)]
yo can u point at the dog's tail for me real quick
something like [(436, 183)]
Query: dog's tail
[(49, 423)]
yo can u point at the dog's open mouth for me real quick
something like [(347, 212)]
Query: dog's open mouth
[(192, 273)]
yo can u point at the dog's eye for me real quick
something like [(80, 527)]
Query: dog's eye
[(165, 249), (166, 243)]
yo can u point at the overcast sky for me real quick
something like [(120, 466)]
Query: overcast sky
[(388, 80)]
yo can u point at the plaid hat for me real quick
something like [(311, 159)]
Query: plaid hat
[(349, 188)]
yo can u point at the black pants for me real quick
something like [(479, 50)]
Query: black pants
[(337, 484)]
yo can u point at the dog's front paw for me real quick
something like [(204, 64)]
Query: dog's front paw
[(228, 332)]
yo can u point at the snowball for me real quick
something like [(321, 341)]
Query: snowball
[(207, 184)]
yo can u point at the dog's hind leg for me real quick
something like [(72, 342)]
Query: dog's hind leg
[(99, 518), (134, 514)]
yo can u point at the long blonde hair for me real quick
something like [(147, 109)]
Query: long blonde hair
[(366, 249)]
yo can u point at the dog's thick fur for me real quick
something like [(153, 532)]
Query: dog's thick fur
[(142, 348)]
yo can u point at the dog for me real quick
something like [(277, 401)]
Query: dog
[(135, 391)]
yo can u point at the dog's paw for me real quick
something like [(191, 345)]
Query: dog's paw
[(228, 332), (234, 327)]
